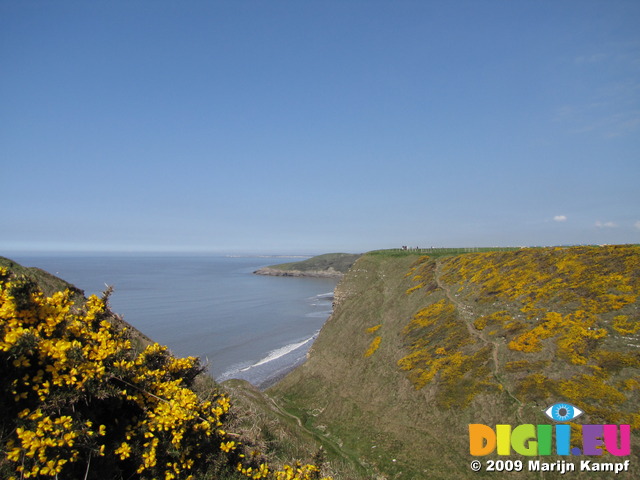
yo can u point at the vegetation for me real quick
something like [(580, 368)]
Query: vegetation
[(364, 404), (437, 345), (84, 403), (336, 262), (50, 284), (375, 343), (436, 252), (440, 341), (573, 304)]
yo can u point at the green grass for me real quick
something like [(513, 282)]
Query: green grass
[(341, 262), (284, 434), (438, 252), (363, 404)]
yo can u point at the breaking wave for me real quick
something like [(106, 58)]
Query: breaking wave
[(281, 352)]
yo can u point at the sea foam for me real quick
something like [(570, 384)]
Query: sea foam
[(281, 352)]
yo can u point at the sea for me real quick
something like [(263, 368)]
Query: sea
[(241, 325)]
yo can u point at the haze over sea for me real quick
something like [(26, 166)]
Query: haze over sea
[(242, 325)]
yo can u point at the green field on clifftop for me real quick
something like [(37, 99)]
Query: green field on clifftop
[(340, 262)]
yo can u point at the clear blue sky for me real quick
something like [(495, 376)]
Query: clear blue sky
[(318, 126)]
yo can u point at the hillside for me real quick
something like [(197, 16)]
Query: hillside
[(327, 265), (418, 348)]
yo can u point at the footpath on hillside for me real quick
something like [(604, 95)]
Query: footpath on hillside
[(468, 316)]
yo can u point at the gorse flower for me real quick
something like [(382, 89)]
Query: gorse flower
[(84, 402)]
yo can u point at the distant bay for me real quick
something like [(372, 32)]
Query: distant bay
[(242, 325)]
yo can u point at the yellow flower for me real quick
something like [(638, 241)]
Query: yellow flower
[(228, 446), (124, 451)]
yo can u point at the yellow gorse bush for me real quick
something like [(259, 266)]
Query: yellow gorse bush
[(373, 346), (80, 402), (441, 349), (573, 305), (560, 312), (591, 281), (597, 279), (375, 343)]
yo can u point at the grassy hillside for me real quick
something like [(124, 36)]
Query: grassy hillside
[(281, 435), (419, 347), (47, 282)]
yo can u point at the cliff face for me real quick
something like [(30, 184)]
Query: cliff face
[(418, 348)]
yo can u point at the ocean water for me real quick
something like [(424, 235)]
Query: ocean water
[(241, 325)]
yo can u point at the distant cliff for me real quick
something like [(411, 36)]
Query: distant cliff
[(330, 265)]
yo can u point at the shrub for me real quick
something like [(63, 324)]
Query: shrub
[(83, 403), (375, 343)]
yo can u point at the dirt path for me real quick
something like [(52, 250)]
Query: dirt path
[(468, 316), (284, 413)]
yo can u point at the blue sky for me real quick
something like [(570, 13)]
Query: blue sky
[(318, 126)]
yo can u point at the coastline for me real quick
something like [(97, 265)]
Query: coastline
[(269, 370)]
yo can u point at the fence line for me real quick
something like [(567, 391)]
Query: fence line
[(446, 250)]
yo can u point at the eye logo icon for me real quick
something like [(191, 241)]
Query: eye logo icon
[(563, 412)]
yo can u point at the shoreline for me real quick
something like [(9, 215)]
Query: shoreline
[(271, 369), (271, 381)]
